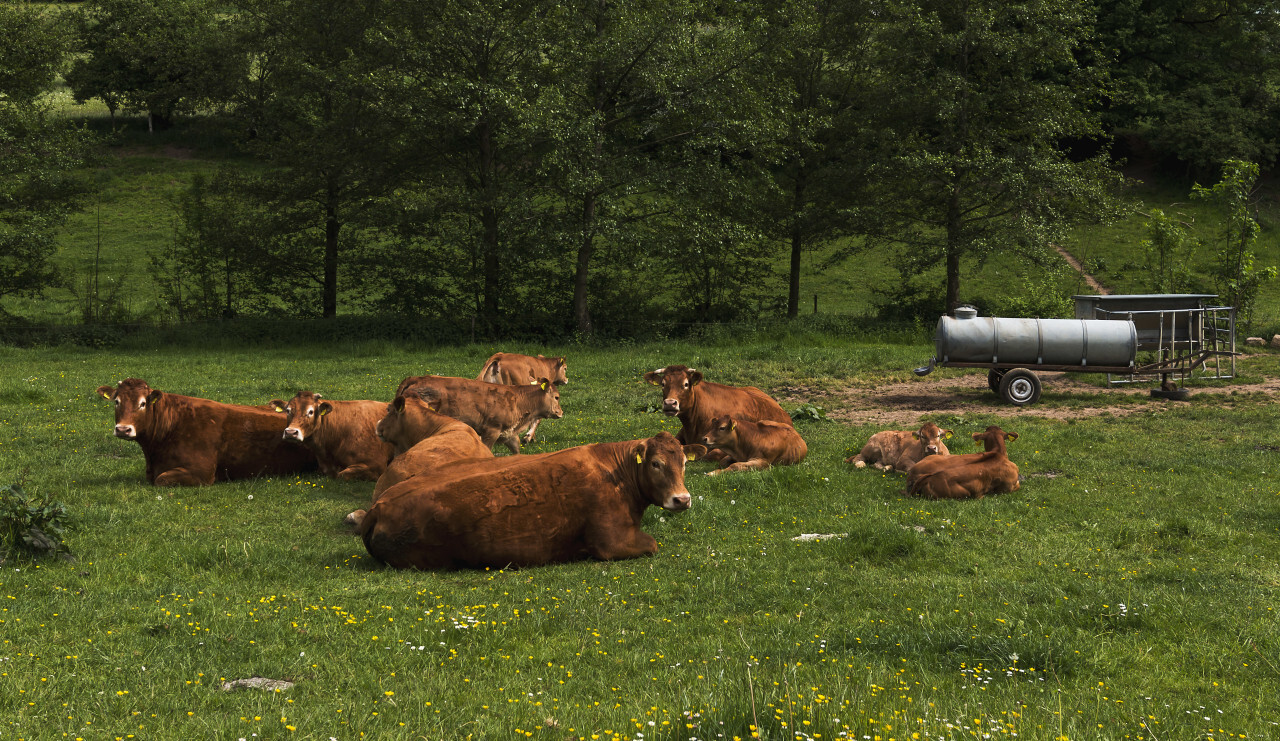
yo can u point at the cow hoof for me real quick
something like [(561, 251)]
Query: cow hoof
[(856, 464)]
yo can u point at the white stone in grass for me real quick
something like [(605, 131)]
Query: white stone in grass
[(257, 683), (805, 537)]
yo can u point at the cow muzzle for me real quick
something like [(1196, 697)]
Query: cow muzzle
[(126, 432), (678, 502), (671, 407), (293, 433), (931, 449)]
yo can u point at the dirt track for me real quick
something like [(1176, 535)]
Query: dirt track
[(906, 404)]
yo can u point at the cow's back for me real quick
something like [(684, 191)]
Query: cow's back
[(713, 400)]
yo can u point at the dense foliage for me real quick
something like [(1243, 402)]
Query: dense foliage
[(586, 164)]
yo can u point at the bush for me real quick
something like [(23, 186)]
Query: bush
[(31, 526)]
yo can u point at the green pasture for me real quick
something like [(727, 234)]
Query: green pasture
[(1128, 590)]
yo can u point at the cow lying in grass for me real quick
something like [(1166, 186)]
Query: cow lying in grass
[(899, 450), (969, 476), (753, 446)]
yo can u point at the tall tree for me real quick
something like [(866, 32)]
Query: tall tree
[(820, 55), (978, 96), (472, 69), (160, 57), (640, 91), (321, 102), (39, 185), (1197, 79)]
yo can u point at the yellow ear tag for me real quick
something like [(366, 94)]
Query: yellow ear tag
[(105, 395), (639, 458), (947, 436), (279, 409), (690, 457)]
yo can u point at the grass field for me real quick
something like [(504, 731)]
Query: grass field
[(1128, 590)]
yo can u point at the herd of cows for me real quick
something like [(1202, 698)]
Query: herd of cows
[(442, 500)]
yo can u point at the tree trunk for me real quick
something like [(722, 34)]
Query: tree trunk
[(332, 227), (490, 236), (797, 240), (953, 247), (586, 248)]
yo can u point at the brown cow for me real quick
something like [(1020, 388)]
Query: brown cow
[(340, 433), (901, 449), (496, 411), (754, 445), (423, 441), (582, 502), (697, 402), (969, 476), (514, 369), (188, 441)]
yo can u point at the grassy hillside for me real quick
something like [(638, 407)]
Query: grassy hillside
[(131, 217)]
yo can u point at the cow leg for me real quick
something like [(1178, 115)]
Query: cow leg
[(355, 518), (183, 477), (754, 464), (528, 435), (629, 543), (512, 440), (358, 472)]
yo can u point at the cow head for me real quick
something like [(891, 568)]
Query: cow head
[(660, 470), (134, 400), (677, 384), (408, 421), (931, 436), (558, 370), (550, 402), (994, 438), (304, 412), (722, 433)]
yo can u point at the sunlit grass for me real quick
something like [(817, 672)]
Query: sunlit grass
[(1127, 590)]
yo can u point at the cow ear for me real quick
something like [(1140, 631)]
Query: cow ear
[(324, 408), (1010, 436), (946, 434), (916, 435), (654, 377), (154, 396), (277, 405), (695, 377), (105, 391), (694, 452), (639, 457), (733, 425), (544, 384), (397, 404)]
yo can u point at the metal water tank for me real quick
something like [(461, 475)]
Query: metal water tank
[(968, 338)]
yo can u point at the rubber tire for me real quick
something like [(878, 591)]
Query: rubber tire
[(994, 376), (1174, 395), (1020, 387)]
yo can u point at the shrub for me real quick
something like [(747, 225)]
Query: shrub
[(31, 526)]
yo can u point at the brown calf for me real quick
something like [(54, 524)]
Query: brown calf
[(495, 411), (514, 369), (753, 446), (969, 476), (340, 433), (189, 441), (901, 449)]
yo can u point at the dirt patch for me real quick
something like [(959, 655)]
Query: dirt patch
[(908, 404), (1075, 264)]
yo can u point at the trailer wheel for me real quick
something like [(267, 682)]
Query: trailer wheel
[(994, 376), (1020, 387)]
